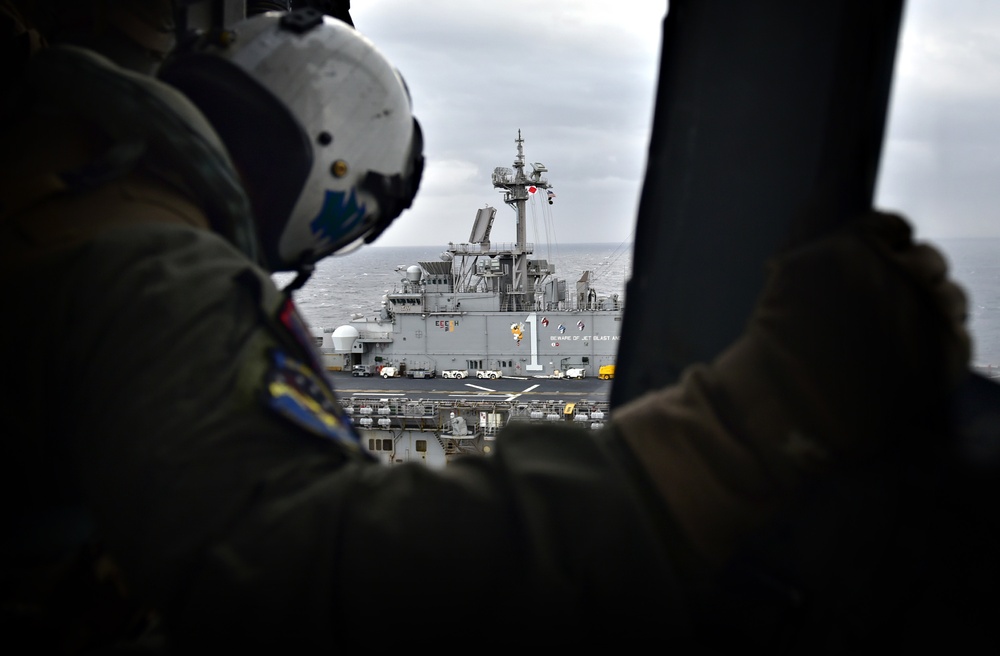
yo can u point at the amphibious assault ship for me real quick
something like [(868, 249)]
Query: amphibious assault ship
[(486, 309)]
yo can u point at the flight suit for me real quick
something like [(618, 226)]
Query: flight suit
[(169, 402)]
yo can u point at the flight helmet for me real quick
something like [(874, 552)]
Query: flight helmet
[(318, 123)]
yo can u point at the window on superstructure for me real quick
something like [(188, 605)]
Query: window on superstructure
[(421, 446)]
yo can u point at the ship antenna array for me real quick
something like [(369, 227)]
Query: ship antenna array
[(515, 183), (515, 190)]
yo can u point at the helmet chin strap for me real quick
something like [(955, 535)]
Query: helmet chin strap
[(303, 271), (395, 193)]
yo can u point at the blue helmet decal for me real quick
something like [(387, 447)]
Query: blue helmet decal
[(339, 215)]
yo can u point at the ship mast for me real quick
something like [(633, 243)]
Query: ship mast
[(515, 188)]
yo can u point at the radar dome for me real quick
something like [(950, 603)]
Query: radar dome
[(344, 338)]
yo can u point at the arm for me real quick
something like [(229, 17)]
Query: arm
[(850, 356), (239, 525)]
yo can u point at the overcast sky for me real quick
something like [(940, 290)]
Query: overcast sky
[(578, 78)]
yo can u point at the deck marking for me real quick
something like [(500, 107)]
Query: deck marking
[(524, 391), (480, 395), (533, 365), (379, 394)]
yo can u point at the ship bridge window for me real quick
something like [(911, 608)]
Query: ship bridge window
[(379, 444)]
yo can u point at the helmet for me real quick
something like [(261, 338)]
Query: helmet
[(317, 121)]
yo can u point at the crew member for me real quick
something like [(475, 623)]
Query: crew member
[(170, 413)]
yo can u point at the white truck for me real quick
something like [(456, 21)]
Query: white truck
[(571, 372), (489, 373), (389, 372), (454, 373)]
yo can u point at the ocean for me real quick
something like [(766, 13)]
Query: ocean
[(354, 283), (975, 265)]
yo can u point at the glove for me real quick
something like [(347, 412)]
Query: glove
[(852, 351)]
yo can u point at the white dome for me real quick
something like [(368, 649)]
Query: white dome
[(344, 338)]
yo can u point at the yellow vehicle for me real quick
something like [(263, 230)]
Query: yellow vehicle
[(606, 372)]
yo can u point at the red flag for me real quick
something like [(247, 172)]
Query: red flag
[(532, 190)]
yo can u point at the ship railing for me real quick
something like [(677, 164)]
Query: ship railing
[(409, 309), (434, 416), (374, 336), (566, 306), (553, 411), (490, 249)]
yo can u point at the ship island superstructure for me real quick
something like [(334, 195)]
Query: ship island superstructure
[(486, 307)]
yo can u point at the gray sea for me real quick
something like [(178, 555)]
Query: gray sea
[(975, 264), (354, 283)]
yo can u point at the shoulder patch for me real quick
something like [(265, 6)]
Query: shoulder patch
[(295, 391), (291, 319)]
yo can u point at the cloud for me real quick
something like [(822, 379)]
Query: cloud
[(578, 78), (941, 155)]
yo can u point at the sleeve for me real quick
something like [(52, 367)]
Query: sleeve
[(246, 530)]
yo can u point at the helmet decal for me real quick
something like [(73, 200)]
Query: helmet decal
[(340, 215)]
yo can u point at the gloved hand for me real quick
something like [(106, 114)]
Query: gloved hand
[(852, 350)]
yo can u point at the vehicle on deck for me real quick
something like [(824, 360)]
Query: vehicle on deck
[(606, 372), (421, 373), (489, 373), (454, 373), (362, 370)]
